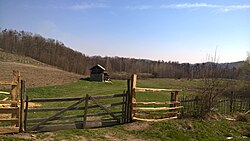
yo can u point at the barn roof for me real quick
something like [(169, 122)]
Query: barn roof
[(98, 66)]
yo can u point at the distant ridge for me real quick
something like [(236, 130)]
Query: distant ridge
[(231, 65), (55, 53)]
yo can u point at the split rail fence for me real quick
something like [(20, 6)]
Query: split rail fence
[(91, 111), (9, 109), (146, 111)]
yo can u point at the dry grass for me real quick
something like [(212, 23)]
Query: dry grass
[(37, 76)]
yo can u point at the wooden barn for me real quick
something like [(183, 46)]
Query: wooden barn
[(98, 73)]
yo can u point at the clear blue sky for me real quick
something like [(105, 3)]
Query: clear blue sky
[(169, 30)]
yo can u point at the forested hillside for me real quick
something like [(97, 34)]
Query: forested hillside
[(54, 52)]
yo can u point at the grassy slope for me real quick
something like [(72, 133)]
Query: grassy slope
[(181, 129), (36, 74)]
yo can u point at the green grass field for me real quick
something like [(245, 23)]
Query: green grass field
[(180, 129)]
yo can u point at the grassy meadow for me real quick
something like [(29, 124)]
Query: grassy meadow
[(180, 129)]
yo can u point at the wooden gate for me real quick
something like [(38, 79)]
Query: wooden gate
[(82, 112), (149, 112)]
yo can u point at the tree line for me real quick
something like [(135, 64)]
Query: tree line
[(55, 53)]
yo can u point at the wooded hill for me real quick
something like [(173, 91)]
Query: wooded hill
[(55, 53)]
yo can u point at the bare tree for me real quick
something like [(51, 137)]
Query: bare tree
[(213, 86)]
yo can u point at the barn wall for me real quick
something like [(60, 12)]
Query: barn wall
[(97, 77)]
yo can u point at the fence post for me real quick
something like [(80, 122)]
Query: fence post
[(133, 94), (85, 110), (231, 102), (21, 110), (15, 85), (176, 100), (249, 104), (26, 112), (124, 107), (14, 93), (129, 102), (172, 99)]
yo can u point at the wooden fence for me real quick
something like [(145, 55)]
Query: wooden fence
[(166, 111), (102, 110), (85, 112), (223, 105), (9, 109)]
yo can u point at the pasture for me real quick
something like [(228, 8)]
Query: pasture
[(180, 129)]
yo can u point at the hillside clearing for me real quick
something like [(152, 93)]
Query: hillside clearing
[(37, 76)]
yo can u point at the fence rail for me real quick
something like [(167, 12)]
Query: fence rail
[(77, 119), (167, 110), (223, 105), (10, 107)]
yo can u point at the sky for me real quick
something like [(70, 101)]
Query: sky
[(170, 30)]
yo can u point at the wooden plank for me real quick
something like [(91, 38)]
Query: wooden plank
[(8, 102), (9, 130), (56, 109), (57, 114), (2, 92), (9, 110), (73, 108), (9, 120), (156, 103), (155, 120), (108, 96), (156, 90), (51, 123), (35, 120), (75, 122), (102, 114), (156, 109), (156, 114), (104, 108), (85, 111), (74, 98), (55, 99), (7, 83)]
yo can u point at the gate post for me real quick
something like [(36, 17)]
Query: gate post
[(26, 112), (15, 85), (21, 109), (133, 94), (128, 103), (85, 110), (14, 93), (174, 100)]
